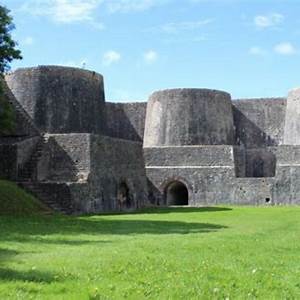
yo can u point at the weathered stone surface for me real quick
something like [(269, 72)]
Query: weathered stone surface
[(292, 121), (61, 99), (189, 117), (126, 120), (94, 167), (92, 159), (259, 122), (211, 156), (23, 124), (65, 158)]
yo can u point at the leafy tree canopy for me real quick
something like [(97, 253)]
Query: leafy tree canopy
[(8, 50)]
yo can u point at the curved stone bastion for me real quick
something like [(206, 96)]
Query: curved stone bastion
[(80, 154), (61, 99), (179, 117)]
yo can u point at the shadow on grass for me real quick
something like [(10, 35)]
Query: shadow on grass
[(23, 238), (35, 228), (26, 276), (183, 209), (7, 274), (7, 254), (169, 209)]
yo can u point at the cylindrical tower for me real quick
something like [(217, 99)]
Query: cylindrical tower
[(61, 99), (292, 118), (179, 117)]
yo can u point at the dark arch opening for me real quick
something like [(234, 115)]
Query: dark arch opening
[(258, 168), (176, 193), (124, 199)]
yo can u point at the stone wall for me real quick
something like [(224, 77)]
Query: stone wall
[(61, 99), (292, 128), (211, 156), (15, 152), (95, 167), (206, 185), (8, 163), (255, 162), (206, 171), (116, 162), (189, 117), (23, 124), (259, 122), (91, 158), (126, 120), (66, 158), (25, 149)]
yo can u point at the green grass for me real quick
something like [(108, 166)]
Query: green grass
[(176, 253), (15, 201)]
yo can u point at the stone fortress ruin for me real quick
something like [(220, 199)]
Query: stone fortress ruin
[(80, 154)]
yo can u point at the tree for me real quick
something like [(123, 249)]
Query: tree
[(8, 50)]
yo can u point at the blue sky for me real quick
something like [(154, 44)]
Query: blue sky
[(247, 48)]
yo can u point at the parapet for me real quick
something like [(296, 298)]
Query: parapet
[(179, 117), (61, 99)]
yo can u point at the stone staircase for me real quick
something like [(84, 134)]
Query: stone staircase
[(56, 196), (28, 172)]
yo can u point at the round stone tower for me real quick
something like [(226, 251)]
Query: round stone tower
[(179, 117), (292, 118), (61, 99)]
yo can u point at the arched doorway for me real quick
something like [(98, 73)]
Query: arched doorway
[(258, 168), (124, 199), (176, 193)]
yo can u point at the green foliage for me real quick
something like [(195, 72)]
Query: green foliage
[(15, 201), (7, 115), (8, 50), (178, 253)]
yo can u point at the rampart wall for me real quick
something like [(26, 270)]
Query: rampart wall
[(61, 99), (259, 122), (113, 156), (126, 120)]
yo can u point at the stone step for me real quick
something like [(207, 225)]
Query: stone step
[(45, 197), (27, 172)]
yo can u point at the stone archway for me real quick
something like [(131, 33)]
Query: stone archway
[(176, 193)]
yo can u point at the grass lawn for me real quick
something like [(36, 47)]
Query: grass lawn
[(176, 253), (15, 201)]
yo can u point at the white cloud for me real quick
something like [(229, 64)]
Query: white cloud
[(76, 11), (111, 57), (269, 20), (28, 41), (71, 11), (125, 6), (65, 11), (255, 50), (175, 27), (285, 49), (150, 56)]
